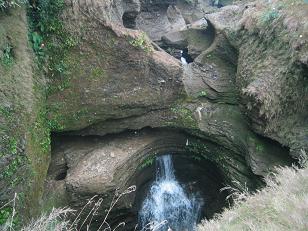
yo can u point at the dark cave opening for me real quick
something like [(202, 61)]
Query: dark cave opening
[(187, 56), (129, 20), (61, 173), (197, 173), (199, 177)]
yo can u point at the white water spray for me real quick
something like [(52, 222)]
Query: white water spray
[(167, 201), (183, 60)]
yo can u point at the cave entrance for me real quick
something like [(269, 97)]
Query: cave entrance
[(201, 181), (129, 20), (85, 166)]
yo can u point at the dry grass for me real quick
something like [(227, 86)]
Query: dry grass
[(58, 218), (282, 205)]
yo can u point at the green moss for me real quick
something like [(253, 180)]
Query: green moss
[(183, 118), (58, 120)]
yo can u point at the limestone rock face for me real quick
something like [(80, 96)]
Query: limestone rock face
[(114, 73), (272, 73), (241, 103)]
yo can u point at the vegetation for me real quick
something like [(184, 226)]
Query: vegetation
[(201, 94), (51, 41), (183, 118), (142, 42), (58, 219), (4, 4), (282, 205), (269, 15), (7, 57), (148, 161)]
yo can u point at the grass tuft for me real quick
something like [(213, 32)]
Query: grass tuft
[(282, 205)]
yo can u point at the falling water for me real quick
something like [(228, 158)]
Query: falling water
[(167, 201), (183, 60)]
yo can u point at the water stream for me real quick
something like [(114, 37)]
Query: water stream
[(168, 203)]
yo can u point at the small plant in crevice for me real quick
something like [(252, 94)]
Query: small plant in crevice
[(238, 192), (7, 56), (51, 41), (147, 162), (142, 42), (201, 94), (37, 43)]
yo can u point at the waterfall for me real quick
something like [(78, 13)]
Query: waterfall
[(183, 59), (167, 201)]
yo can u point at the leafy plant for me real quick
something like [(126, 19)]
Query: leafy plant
[(7, 55), (142, 42), (37, 42), (148, 162), (51, 41), (201, 94)]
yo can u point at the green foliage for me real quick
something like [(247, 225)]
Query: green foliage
[(8, 146), (6, 111), (37, 43), (269, 15), (5, 214), (7, 57), (12, 168), (52, 42), (147, 162), (142, 42), (202, 94), (41, 131)]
